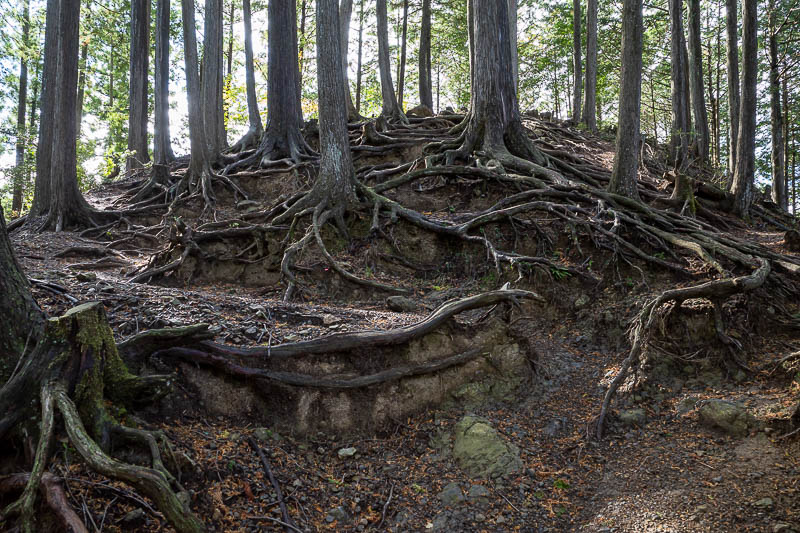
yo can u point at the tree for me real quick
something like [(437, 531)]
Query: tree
[(778, 155), (493, 123), (345, 13), (162, 144), (390, 108), (256, 129), (732, 67), (137, 86), (577, 69), (360, 54), (626, 160), (590, 97), (425, 82), (679, 143), (22, 100), (744, 173), (57, 194), (512, 25), (211, 78), (695, 67), (401, 68)]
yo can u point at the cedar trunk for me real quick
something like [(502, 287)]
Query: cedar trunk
[(425, 84), (577, 89), (22, 101), (743, 176), (137, 89), (779, 189), (732, 28), (390, 108), (590, 98), (212, 78), (162, 144), (695, 66)]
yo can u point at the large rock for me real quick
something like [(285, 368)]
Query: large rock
[(792, 240), (481, 452), (726, 416)]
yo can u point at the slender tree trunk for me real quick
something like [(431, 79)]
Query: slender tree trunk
[(22, 101), (590, 98), (401, 77), (695, 67), (787, 117), (345, 13), (718, 99), (256, 128), (390, 108), (212, 78), (513, 37), (577, 68), (744, 175), (360, 52), (81, 85), (335, 183), (732, 28), (425, 86), (626, 161), (776, 115), (162, 144)]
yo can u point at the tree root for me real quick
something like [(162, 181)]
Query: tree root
[(54, 497), (641, 328)]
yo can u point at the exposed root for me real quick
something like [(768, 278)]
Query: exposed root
[(54, 497), (642, 326)]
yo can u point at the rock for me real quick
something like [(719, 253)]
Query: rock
[(633, 417), (782, 527), (726, 416), (764, 503), (264, 434), (421, 111), (217, 515), (451, 494), (553, 427), (792, 240), (347, 452), (251, 332), (478, 494), (137, 516), (481, 452), (582, 301), (87, 276), (401, 304), (686, 405), (480, 517), (338, 513), (185, 497), (246, 205)]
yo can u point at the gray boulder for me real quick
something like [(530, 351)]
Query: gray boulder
[(726, 416), (481, 452)]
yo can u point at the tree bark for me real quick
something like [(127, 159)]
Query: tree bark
[(577, 68), (679, 142), (345, 13), (334, 187), (779, 189), (695, 66), (513, 36), (22, 102), (360, 51), (590, 98), (626, 161), (137, 88), (425, 84), (743, 176), (81, 85), (256, 128), (162, 144), (732, 28), (212, 78), (390, 108), (401, 76)]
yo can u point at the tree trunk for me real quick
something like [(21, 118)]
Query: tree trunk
[(256, 128), (137, 91), (626, 161), (590, 98), (401, 77), (390, 108), (212, 78), (22, 101), (360, 51), (493, 123), (334, 187), (81, 86), (513, 36), (162, 144), (345, 13), (743, 176), (777, 154), (44, 147), (679, 143), (577, 68), (732, 27), (695, 67), (425, 84)]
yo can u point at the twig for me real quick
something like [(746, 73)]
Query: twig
[(386, 506), (275, 520), (288, 523)]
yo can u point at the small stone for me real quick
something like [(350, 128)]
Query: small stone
[(134, 517), (251, 332), (726, 416), (633, 417), (500, 520), (478, 494), (87, 276), (716, 479), (401, 304), (764, 502), (217, 515), (347, 452), (782, 527), (185, 497), (246, 205), (328, 319), (451, 494), (338, 513), (701, 509), (582, 301)]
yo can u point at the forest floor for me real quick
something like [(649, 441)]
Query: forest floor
[(667, 472)]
